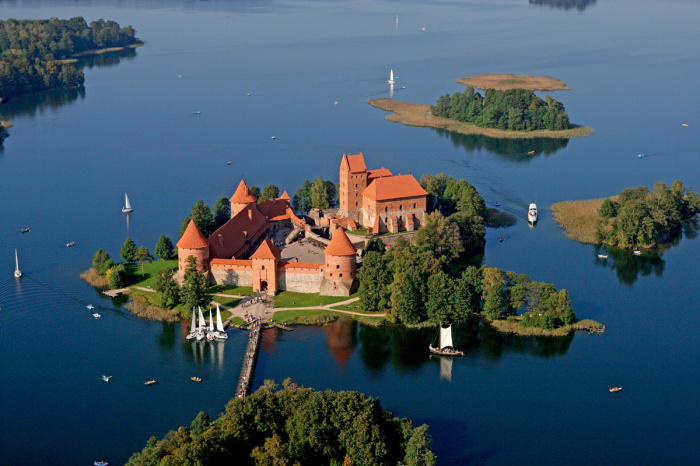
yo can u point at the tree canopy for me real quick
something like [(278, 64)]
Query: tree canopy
[(164, 248), (270, 192), (128, 251), (294, 425), (194, 285), (512, 109)]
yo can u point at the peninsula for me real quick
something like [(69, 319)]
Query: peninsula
[(413, 114), (502, 82)]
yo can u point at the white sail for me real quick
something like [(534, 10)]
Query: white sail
[(446, 337), (219, 325), (17, 272), (202, 322), (194, 322), (391, 77), (211, 322), (127, 204)]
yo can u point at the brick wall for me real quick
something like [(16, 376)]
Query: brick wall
[(231, 275), (300, 280)]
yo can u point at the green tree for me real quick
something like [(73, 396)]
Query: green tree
[(607, 209), (194, 285), (407, 292), (375, 276), (494, 302), (221, 212), (101, 262), (440, 237), (440, 300), (255, 191), (319, 194), (301, 202), (168, 289), (270, 192), (128, 251), (332, 190), (273, 453), (164, 248), (467, 293), (143, 255), (374, 245), (202, 216), (118, 277), (200, 424)]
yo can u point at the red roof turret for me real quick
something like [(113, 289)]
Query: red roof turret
[(340, 245), (192, 238), (243, 194)]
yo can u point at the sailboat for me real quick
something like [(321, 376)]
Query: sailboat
[(18, 274), (219, 333), (210, 333), (127, 205), (446, 348), (193, 329), (391, 77), (202, 327)]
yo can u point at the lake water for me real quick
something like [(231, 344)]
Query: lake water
[(634, 69)]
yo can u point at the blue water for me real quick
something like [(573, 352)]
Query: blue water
[(633, 69)]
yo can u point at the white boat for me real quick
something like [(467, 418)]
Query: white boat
[(602, 256), (219, 334), (446, 348), (210, 333), (127, 205), (193, 330), (532, 213), (637, 253), (391, 77), (18, 274), (96, 315)]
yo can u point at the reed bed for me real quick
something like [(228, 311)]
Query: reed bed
[(502, 82), (514, 326), (94, 279), (142, 307), (419, 115), (578, 219)]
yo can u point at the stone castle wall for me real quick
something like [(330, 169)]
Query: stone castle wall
[(300, 280), (337, 287), (231, 275)]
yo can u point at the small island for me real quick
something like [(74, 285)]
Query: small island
[(502, 82), (635, 218)]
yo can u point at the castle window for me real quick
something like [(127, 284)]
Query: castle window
[(331, 274), (386, 209), (356, 204), (263, 267), (400, 207), (356, 185), (337, 266), (340, 276), (414, 205)]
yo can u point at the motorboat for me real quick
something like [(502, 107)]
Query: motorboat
[(96, 315), (640, 156), (446, 348), (18, 274), (531, 152), (150, 382), (106, 378), (90, 306), (615, 389), (25, 230), (127, 205), (637, 253), (602, 256), (532, 213), (101, 463), (71, 244)]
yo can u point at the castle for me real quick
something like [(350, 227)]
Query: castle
[(241, 253)]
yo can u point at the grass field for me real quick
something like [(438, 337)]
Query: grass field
[(227, 289), (304, 317), (150, 271), (508, 326), (502, 82), (292, 299), (578, 218), (419, 115), (230, 302)]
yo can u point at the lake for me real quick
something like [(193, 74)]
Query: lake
[(633, 68)]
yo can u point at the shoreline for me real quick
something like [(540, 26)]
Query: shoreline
[(419, 115), (508, 326), (74, 58), (503, 82)]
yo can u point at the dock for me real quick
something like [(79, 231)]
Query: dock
[(283, 327), (251, 355), (115, 293)]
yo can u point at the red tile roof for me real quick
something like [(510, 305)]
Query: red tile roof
[(236, 262), (378, 173), (354, 163), (274, 209), (192, 238), (340, 245), (238, 233), (300, 265), (267, 250), (285, 196), (242, 194), (393, 187)]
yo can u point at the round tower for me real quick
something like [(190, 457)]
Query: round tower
[(241, 198), (193, 244), (340, 258)]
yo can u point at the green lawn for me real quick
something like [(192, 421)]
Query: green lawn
[(150, 269), (154, 298), (306, 316), (237, 321), (231, 302), (362, 231), (228, 289), (292, 299)]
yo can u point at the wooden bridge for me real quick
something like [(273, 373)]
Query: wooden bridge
[(245, 380)]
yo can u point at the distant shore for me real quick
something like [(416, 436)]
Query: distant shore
[(419, 115), (502, 82), (99, 52)]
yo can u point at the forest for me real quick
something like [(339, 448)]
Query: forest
[(639, 218), (33, 53), (512, 109), (294, 426)]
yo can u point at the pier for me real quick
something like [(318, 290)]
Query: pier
[(251, 355)]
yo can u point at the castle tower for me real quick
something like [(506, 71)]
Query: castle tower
[(340, 263), (194, 244), (265, 261), (353, 180), (241, 198)]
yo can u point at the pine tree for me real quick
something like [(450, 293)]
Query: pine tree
[(164, 248), (128, 250)]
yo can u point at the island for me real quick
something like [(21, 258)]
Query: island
[(502, 82), (636, 218), (294, 425)]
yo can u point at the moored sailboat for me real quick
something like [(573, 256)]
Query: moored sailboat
[(446, 347), (202, 327), (127, 205), (391, 77), (193, 330), (219, 334), (210, 331)]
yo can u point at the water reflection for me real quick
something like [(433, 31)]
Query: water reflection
[(39, 102), (565, 4), (629, 267), (513, 150), (341, 339), (105, 59), (128, 220)]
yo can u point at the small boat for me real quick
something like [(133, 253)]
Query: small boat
[(391, 77), (18, 274), (602, 256), (637, 253), (219, 334), (127, 205), (90, 306), (532, 213), (106, 378), (210, 330), (272, 137), (615, 389), (497, 204), (446, 348), (101, 463), (228, 163), (196, 379), (684, 124), (335, 103), (397, 20), (179, 75), (249, 94), (71, 244), (193, 329), (150, 382), (639, 156), (25, 230), (96, 315), (501, 239), (531, 152)]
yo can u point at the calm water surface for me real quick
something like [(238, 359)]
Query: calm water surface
[(634, 69)]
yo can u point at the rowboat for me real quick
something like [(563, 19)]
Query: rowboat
[(602, 256), (196, 379), (615, 389), (150, 382), (96, 315), (531, 152), (25, 230)]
